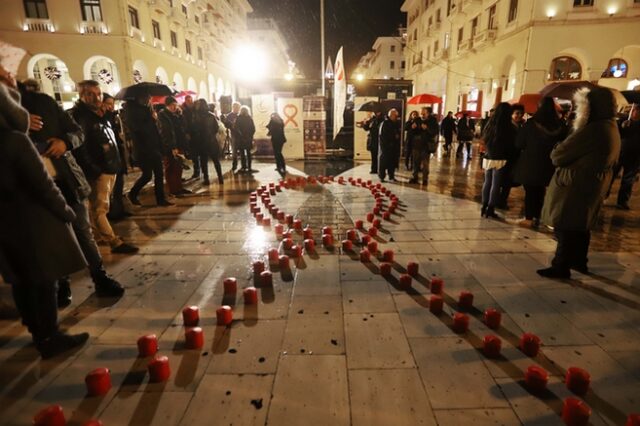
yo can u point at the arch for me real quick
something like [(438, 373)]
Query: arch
[(220, 87), (204, 93), (191, 85), (178, 81), (53, 75), (616, 68), (105, 71), (140, 71), (631, 55), (161, 76), (565, 68)]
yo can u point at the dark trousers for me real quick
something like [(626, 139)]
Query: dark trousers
[(37, 304), (533, 201), (116, 207), (277, 153), (245, 158), (173, 173), (421, 159), (82, 228), (491, 187), (571, 250), (630, 170), (216, 165), (150, 168), (374, 158), (387, 165), (448, 140), (461, 145)]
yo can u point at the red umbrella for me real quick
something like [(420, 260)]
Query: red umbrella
[(470, 114), (425, 98), (529, 101)]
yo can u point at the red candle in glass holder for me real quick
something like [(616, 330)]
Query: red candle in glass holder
[(159, 370), (287, 243), (491, 346), (272, 191), (465, 300), (388, 256), (250, 295), (405, 281), (224, 315), (288, 219), (366, 239), (577, 380), (190, 316), (279, 229), (359, 224), (287, 234), (436, 304), (633, 420), (194, 338), (376, 223), (347, 245), (296, 251), (369, 217), (536, 378), (437, 285), (307, 233), (340, 179), (359, 180), (98, 382), (575, 412), (385, 269), (413, 268), (230, 285), (372, 246), (258, 266), (283, 262), (530, 344), (309, 245), (266, 278), (326, 230), (373, 231), (297, 224), (147, 345), (52, 415), (460, 323), (365, 255), (492, 318), (327, 240)]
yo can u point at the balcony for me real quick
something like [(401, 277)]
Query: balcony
[(136, 33), (465, 45), (179, 18), (484, 37), (161, 6), (441, 55), (464, 10), (159, 44), (91, 27), (39, 26)]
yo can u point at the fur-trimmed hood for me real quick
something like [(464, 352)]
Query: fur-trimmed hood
[(12, 115), (592, 105)]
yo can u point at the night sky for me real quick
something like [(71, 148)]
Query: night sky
[(354, 24)]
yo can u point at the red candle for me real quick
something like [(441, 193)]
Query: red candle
[(392, 208), (288, 219), (309, 245), (373, 231), (326, 230), (412, 268), (194, 338), (273, 256), (436, 285), (347, 245), (387, 256), (376, 210), (369, 217), (287, 243), (159, 370), (258, 266), (372, 246), (465, 300), (378, 185), (281, 216), (296, 251), (376, 223), (359, 224), (436, 303), (253, 198), (365, 256), (491, 346), (266, 221), (536, 378), (327, 240), (366, 239), (385, 269), (98, 382), (230, 285), (50, 416), (266, 278), (405, 281), (359, 180), (224, 315), (386, 215), (352, 234), (577, 380), (250, 295), (279, 229), (460, 323), (286, 234), (283, 262), (307, 233), (259, 217), (297, 224), (575, 412), (272, 191), (633, 420), (340, 179), (147, 345), (492, 318), (190, 316), (530, 344)]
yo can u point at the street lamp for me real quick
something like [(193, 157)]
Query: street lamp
[(249, 63), (359, 77)]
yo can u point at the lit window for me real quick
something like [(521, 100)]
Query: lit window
[(617, 68), (565, 68), (36, 9)]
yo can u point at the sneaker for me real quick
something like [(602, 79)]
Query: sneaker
[(59, 343), (554, 273), (64, 293), (108, 287), (124, 248)]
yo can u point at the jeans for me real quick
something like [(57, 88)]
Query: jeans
[(533, 201), (571, 250), (421, 159), (99, 201), (82, 228), (38, 307), (491, 187), (150, 167)]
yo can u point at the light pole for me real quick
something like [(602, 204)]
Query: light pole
[(322, 64)]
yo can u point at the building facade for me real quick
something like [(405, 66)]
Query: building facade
[(266, 35), (474, 53), (184, 44), (385, 60)]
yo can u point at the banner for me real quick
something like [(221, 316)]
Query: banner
[(359, 134), (339, 94), (262, 107), (315, 121), (290, 109)]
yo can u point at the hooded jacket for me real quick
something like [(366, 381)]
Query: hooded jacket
[(535, 142)]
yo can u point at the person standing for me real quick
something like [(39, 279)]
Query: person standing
[(448, 129), (205, 128), (517, 118), (629, 162), (147, 148), (499, 139), (37, 244), (100, 160), (244, 130), (174, 142), (276, 131), (412, 135), (372, 125), (389, 146), (584, 169), (425, 144), (230, 121), (534, 168), (187, 124), (465, 135)]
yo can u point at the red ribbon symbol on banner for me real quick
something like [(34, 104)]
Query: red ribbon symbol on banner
[(290, 111)]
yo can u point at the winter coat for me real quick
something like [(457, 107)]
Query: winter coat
[(172, 132), (448, 127), (99, 153), (205, 128), (534, 166), (37, 244), (502, 146), (630, 151), (584, 164), (244, 129), (372, 126), (389, 143), (276, 130), (142, 128), (465, 130)]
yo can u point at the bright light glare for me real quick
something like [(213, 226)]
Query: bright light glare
[(250, 63), (359, 77), (611, 10), (551, 13), (288, 76)]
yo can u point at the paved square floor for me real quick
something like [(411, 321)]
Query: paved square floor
[(333, 342)]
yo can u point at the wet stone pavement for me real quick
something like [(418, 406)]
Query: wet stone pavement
[(332, 341)]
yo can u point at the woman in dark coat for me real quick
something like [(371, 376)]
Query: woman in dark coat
[(205, 128), (245, 129), (37, 244), (584, 168), (412, 129), (499, 138), (534, 169), (465, 135), (276, 130)]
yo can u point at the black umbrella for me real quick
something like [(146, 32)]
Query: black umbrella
[(632, 96), (564, 89), (143, 89), (372, 106)]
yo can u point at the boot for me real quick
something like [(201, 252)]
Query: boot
[(554, 273), (105, 285), (483, 210), (64, 292), (491, 213), (59, 343)]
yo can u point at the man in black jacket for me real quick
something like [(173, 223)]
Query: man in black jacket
[(389, 149), (448, 129), (56, 136), (174, 142), (424, 145), (100, 160), (372, 125)]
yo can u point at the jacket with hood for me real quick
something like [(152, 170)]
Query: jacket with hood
[(535, 142)]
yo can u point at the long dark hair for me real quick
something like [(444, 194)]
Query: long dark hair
[(499, 123), (547, 114)]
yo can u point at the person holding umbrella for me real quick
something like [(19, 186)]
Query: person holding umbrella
[(372, 125)]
